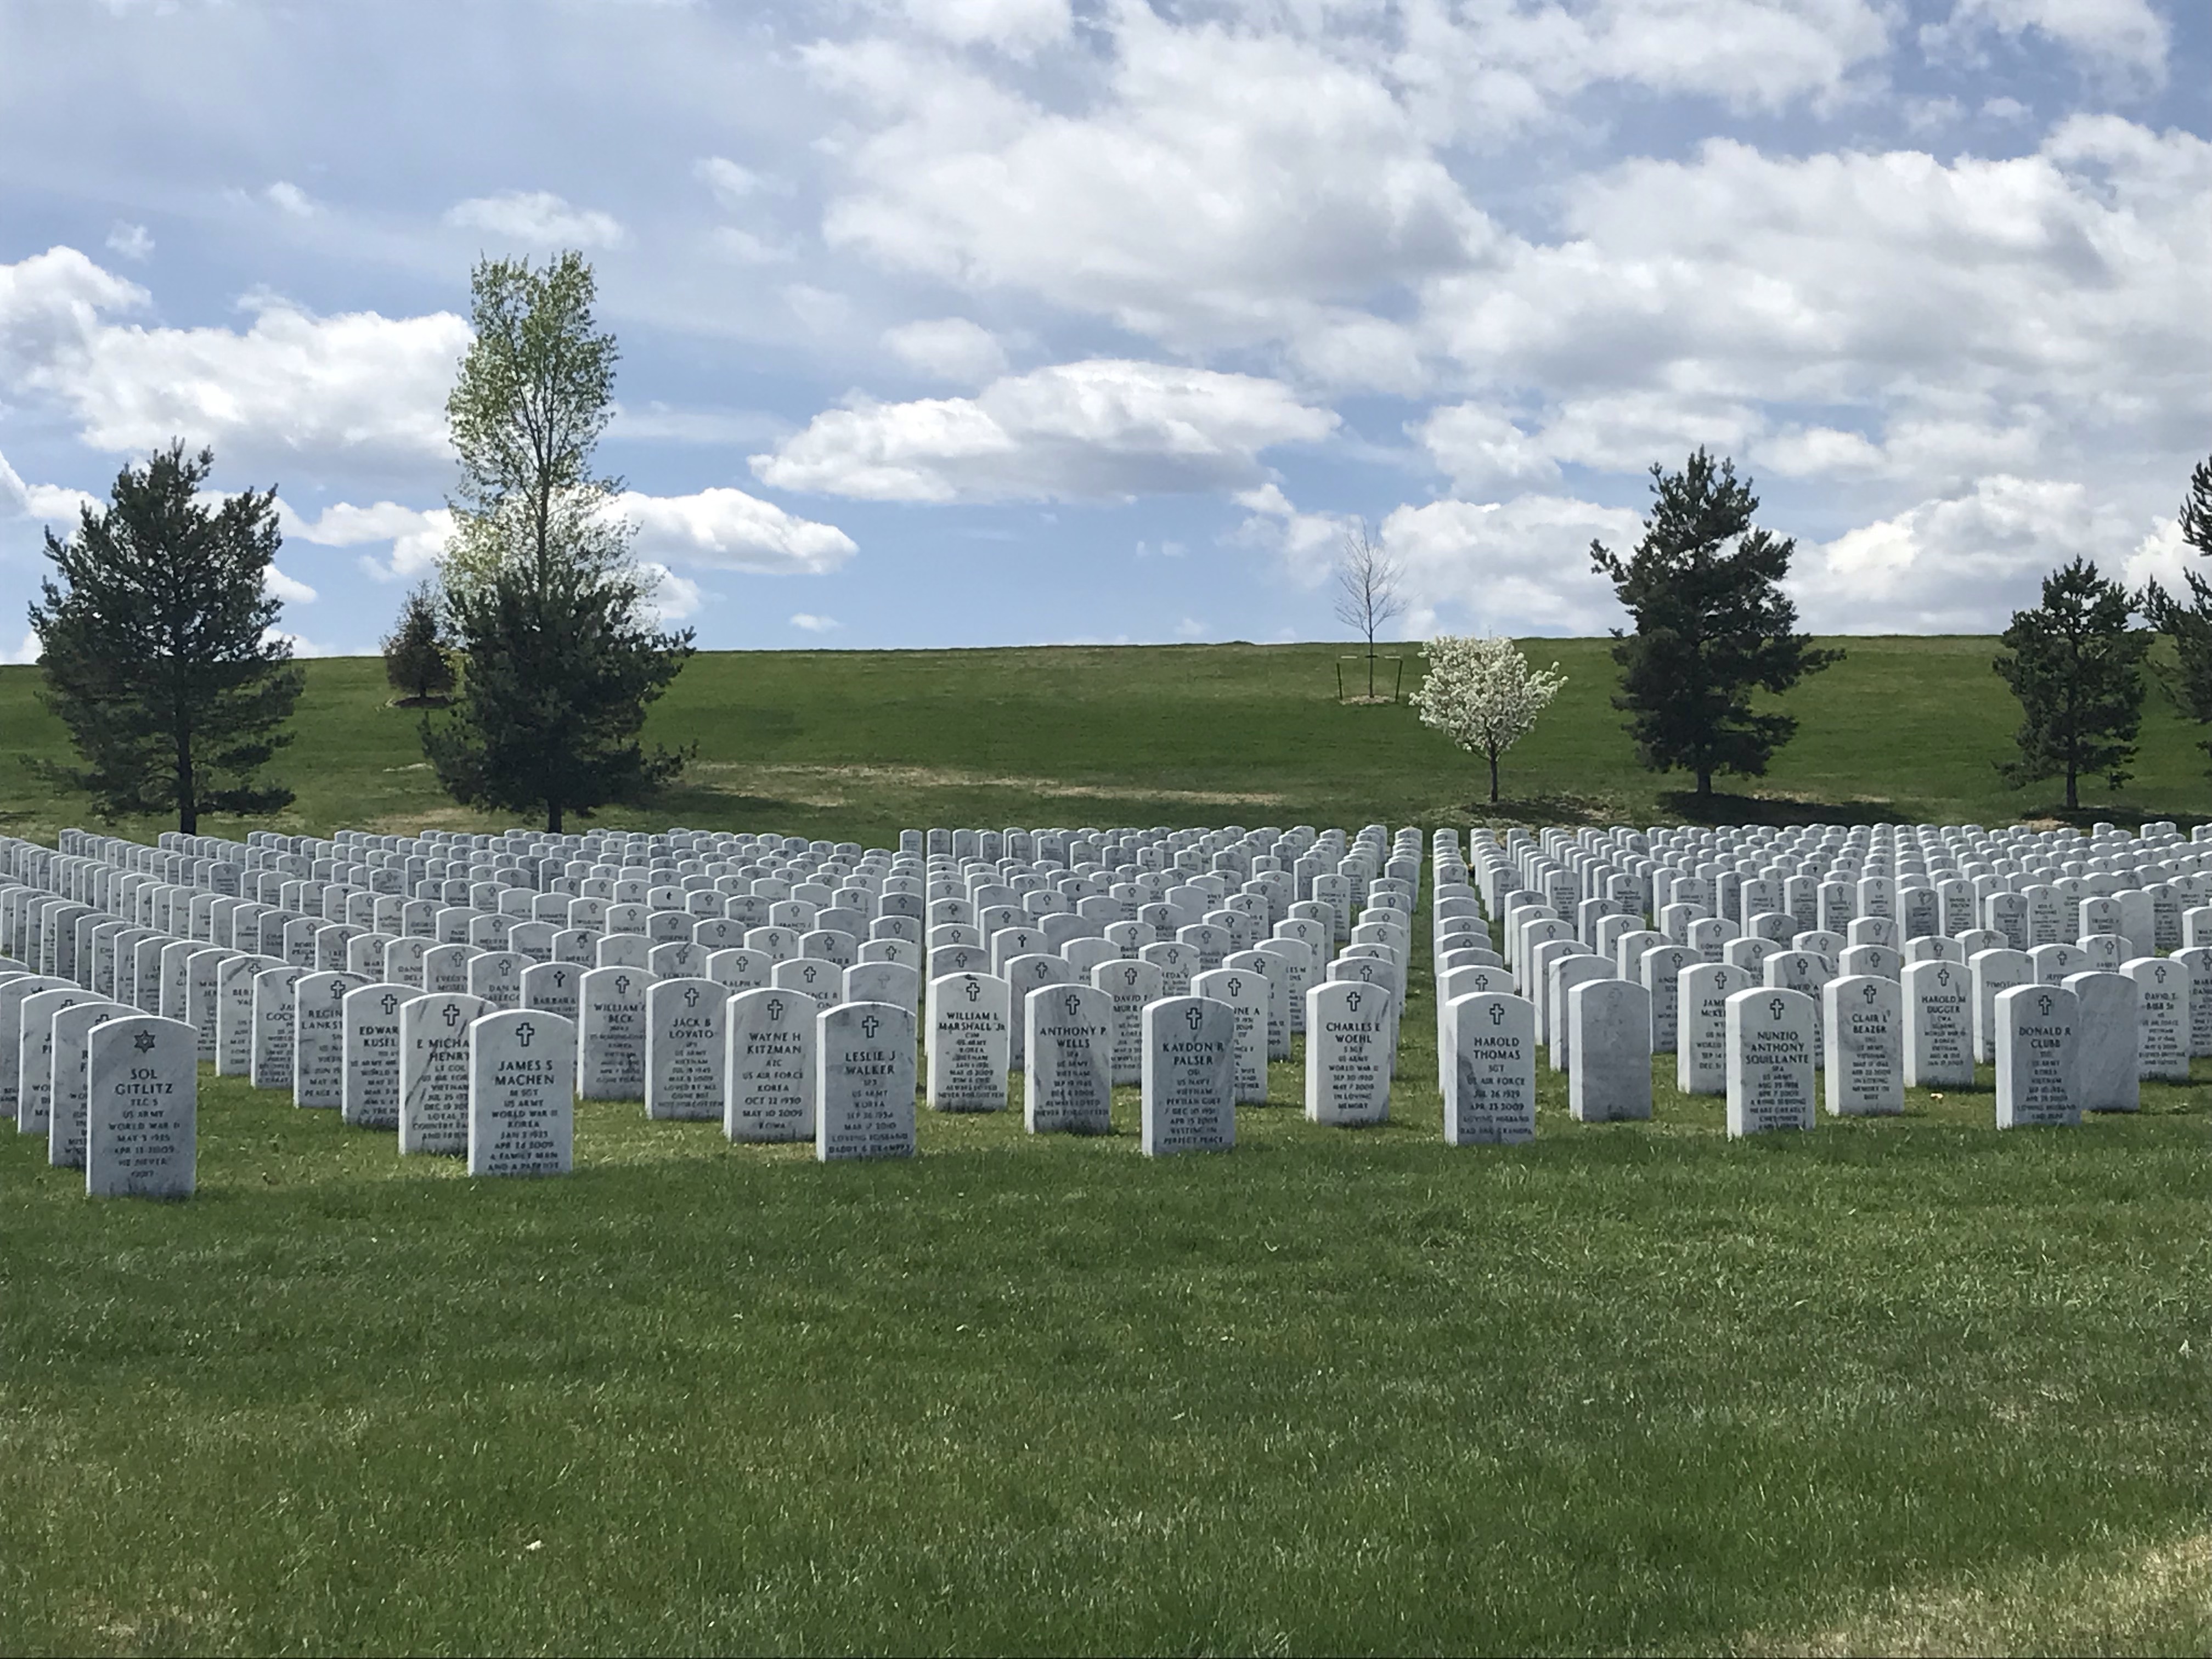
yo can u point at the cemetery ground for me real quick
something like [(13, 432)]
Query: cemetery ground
[(855, 744), (1903, 1384)]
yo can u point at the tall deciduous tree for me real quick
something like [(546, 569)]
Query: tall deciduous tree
[(555, 620), (1712, 627), (1370, 590), (1483, 695), (158, 646), (2076, 666), (2189, 625), (416, 653)]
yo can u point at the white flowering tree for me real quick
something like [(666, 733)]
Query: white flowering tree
[(1483, 694)]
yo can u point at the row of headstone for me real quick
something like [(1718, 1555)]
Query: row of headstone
[(401, 1054), (1764, 1029)]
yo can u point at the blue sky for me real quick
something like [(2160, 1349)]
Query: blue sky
[(981, 322)]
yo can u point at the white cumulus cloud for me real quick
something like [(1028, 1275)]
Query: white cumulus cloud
[(132, 241), (718, 529), (1961, 564), (289, 589), (807, 622), (353, 387), (53, 503), (2124, 36), (950, 348), (728, 530), (1104, 428), (288, 198), (1012, 24), (538, 218)]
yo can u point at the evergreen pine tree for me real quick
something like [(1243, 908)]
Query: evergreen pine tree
[(159, 646), (416, 653), (2076, 667), (1713, 626), (2189, 625)]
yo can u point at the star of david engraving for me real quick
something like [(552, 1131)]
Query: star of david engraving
[(143, 1041)]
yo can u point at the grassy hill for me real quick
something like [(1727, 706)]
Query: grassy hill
[(861, 743)]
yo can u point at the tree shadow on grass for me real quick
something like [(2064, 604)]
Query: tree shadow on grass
[(1778, 812), (1559, 807)]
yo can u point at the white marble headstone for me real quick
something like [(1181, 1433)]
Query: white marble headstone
[(1189, 1076), (611, 1034), (521, 1094), (969, 1042), (1490, 1086), (1769, 1047), (2035, 1032), (685, 1037), (1608, 1051), (1863, 1027), (1248, 993), (1132, 984), (319, 1038), (1067, 1084), (864, 1083), (1939, 1025), (1348, 1032), (433, 1071), (65, 1119), (769, 1067), (2107, 1042), (142, 1109), (370, 1096)]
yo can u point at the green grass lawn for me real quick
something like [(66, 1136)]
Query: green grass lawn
[(1891, 1385), (860, 744)]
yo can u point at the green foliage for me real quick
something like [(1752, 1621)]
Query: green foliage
[(416, 653), (2076, 667), (554, 618), (555, 696), (2189, 682), (533, 396), (1713, 626), (157, 650)]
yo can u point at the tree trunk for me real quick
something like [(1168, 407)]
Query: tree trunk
[(552, 818), (1370, 671), (1493, 778), (2073, 794), (188, 811), (1704, 784)]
